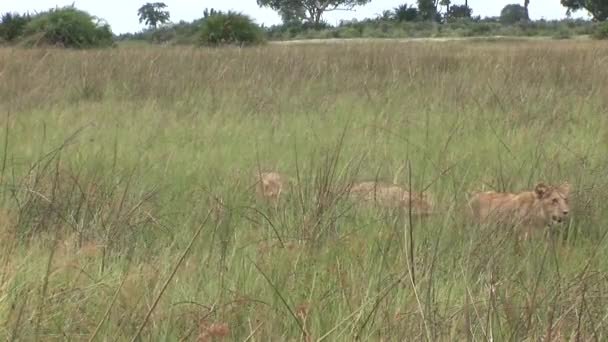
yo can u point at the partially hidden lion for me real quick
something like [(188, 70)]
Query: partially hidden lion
[(270, 185), (391, 196), (545, 206)]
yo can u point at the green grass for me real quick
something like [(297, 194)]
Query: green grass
[(113, 159)]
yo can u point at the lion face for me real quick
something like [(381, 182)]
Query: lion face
[(554, 201), (270, 185)]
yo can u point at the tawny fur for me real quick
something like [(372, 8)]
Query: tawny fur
[(544, 206), (270, 185), (391, 196)]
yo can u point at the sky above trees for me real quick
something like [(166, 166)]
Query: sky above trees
[(122, 14)]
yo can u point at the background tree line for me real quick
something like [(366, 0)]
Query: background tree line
[(71, 27)]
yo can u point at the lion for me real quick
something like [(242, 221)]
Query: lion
[(545, 206), (391, 196), (270, 185)]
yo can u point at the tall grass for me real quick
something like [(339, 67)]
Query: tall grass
[(114, 161)]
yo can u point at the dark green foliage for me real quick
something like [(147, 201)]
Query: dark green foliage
[(601, 31), (597, 8), (214, 28), (12, 25), (386, 15), (292, 30), (230, 28), (209, 12), (562, 33), (182, 32), (68, 27), (403, 21), (427, 9), (153, 14), (457, 27), (405, 13), (481, 29), (459, 11), (308, 10), (513, 13)]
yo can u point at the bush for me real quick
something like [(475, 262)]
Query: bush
[(162, 35), (601, 31), (230, 28), (529, 28), (562, 33), (13, 25), (69, 27), (479, 29), (349, 32), (295, 29)]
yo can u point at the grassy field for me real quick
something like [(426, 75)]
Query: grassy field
[(127, 210)]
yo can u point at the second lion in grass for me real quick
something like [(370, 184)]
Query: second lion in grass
[(392, 196)]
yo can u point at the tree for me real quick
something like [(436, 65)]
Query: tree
[(428, 9), (597, 8), (513, 13), (405, 13), (446, 4), (309, 10), (153, 14), (526, 4), (386, 15), (459, 11), (209, 12), (12, 25), (456, 11)]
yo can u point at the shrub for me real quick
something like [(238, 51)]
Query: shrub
[(187, 33), (562, 33), (480, 29), (528, 28), (163, 34), (349, 32), (230, 28), (296, 29), (583, 27), (601, 31), (69, 27), (13, 25)]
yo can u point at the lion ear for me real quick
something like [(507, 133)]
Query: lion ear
[(541, 190), (565, 188)]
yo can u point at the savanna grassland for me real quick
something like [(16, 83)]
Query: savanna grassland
[(128, 213)]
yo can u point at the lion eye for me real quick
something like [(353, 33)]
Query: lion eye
[(555, 201)]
